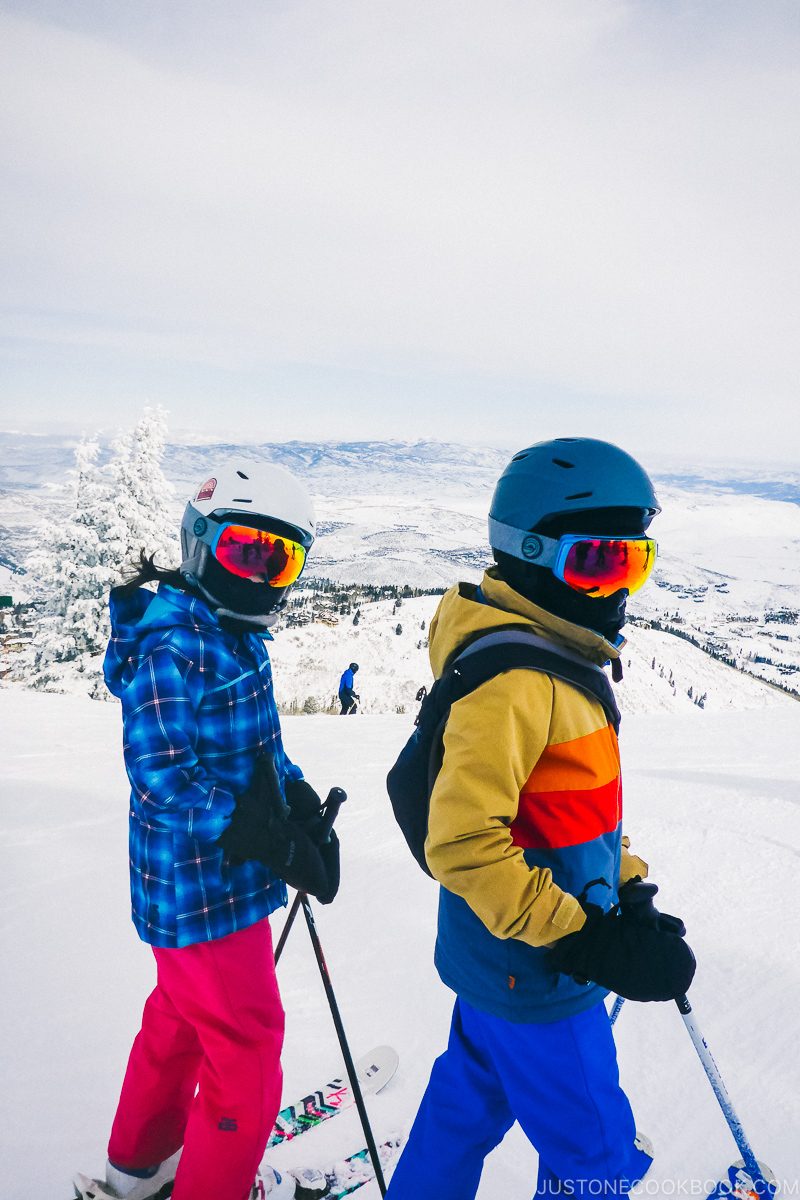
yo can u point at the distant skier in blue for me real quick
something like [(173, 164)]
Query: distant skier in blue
[(348, 697)]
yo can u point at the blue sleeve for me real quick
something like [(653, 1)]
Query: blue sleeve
[(160, 707), (290, 769), (285, 767)]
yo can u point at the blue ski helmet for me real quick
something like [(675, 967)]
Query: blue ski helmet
[(559, 477)]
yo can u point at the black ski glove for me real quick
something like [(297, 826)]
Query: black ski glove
[(307, 810), (636, 900), (632, 949), (301, 862), (305, 806), (262, 828)]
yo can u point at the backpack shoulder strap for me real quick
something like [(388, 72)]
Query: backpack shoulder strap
[(516, 649)]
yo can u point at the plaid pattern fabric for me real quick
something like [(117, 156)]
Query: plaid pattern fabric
[(198, 708)]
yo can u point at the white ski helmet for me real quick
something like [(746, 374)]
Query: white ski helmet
[(257, 495)]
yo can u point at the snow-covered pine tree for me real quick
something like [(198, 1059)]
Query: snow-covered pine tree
[(142, 496), (71, 578), (119, 510)]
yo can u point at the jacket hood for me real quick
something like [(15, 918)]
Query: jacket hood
[(466, 612), (140, 618)]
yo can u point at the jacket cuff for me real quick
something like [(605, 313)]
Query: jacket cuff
[(630, 864), (567, 917)]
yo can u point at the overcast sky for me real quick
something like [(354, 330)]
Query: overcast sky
[(483, 221)]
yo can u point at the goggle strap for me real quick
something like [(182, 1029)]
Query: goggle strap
[(521, 543)]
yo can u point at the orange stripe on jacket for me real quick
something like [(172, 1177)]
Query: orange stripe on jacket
[(573, 794), (581, 763)]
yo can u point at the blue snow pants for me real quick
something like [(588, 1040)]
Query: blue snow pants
[(559, 1080)]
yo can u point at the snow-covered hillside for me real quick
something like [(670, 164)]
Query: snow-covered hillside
[(662, 672), (728, 573), (710, 803)]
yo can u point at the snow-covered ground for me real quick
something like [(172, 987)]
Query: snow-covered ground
[(711, 802)]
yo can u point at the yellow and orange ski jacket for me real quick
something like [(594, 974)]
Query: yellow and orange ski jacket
[(525, 815)]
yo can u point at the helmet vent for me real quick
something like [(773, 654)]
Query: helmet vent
[(519, 457), (241, 500), (579, 496), (242, 475), (559, 462)]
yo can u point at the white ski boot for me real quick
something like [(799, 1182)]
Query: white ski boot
[(309, 1184), (642, 1142), (645, 1146), (269, 1184), (305, 1184), (119, 1185)]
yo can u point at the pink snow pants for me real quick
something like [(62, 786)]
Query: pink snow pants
[(215, 1019)]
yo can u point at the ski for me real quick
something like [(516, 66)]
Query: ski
[(739, 1184), (373, 1071), (347, 1175)]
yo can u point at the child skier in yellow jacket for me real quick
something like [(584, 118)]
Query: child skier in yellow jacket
[(525, 838)]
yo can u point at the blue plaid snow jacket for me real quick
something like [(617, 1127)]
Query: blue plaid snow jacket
[(197, 710)]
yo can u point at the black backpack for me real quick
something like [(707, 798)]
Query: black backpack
[(411, 779)]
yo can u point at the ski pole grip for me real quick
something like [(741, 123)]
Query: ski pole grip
[(335, 799)]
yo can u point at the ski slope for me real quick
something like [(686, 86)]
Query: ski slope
[(662, 672), (660, 668), (712, 802)]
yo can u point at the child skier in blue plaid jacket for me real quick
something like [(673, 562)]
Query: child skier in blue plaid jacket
[(220, 821), (198, 710)]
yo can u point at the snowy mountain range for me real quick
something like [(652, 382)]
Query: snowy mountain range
[(727, 578)]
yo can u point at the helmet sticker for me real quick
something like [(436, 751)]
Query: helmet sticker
[(207, 490), (532, 546)]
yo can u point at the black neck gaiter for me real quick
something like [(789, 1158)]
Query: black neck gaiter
[(239, 595), (605, 616)]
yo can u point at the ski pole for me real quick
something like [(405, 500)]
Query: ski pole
[(616, 1009), (721, 1092), (335, 800), (714, 1077), (288, 923), (348, 1058), (330, 811)]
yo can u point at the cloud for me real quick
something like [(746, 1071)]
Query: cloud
[(588, 199)]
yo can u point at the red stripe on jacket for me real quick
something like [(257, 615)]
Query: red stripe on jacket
[(554, 820)]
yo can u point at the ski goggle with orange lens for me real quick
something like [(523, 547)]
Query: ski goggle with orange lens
[(601, 566), (595, 566), (249, 552)]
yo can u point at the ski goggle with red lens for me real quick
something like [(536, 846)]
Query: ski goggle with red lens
[(596, 566), (250, 553), (600, 566)]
